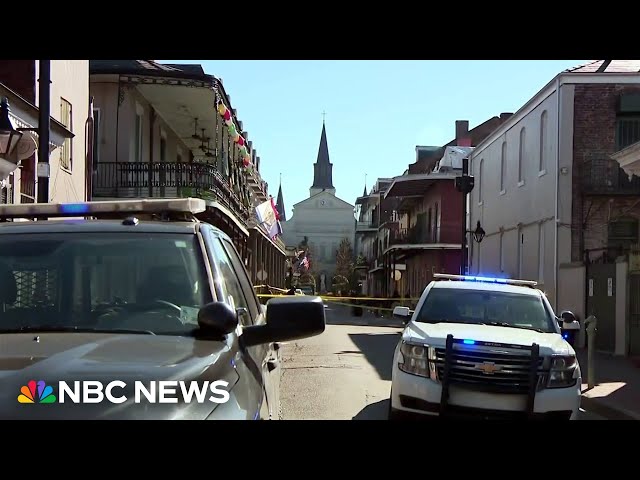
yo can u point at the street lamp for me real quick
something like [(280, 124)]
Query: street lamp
[(478, 233), (9, 136)]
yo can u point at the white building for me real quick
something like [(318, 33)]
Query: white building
[(551, 199), (323, 218)]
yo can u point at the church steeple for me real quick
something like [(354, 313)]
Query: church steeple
[(322, 169), (280, 203)]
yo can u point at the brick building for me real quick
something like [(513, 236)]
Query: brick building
[(557, 208)]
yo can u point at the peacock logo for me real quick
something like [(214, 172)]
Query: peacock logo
[(36, 392)]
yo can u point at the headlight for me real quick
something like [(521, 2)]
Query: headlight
[(413, 359), (563, 371)]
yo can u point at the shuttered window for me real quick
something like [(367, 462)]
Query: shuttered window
[(66, 118)]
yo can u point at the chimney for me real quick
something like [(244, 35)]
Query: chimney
[(504, 116), (462, 133)]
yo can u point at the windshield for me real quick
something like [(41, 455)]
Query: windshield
[(147, 283), (485, 307)]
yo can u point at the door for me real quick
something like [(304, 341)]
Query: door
[(634, 314), (601, 302), (254, 362)]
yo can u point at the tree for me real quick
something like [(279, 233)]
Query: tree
[(344, 259)]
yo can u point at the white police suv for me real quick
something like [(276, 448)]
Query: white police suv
[(483, 348)]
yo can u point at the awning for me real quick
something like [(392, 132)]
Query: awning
[(629, 159), (222, 209), (261, 232), (416, 185), (424, 246)]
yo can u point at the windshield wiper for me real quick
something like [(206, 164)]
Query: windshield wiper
[(59, 328), (510, 325), (446, 320)]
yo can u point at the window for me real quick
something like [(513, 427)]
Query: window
[(503, 167), (137, 138), (480, 179), (520, 251), (628, 120), (541, 242), (502, 251), (76, 280), (66, 118), (521, 159), (478, 306), (436, 224), (96, 136), (543, 141), (623, 233), (243, 278), (234, 295)]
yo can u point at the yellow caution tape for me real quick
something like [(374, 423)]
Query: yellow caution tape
[(331, 298)]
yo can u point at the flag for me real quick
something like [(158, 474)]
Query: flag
[(275, 209), (267, 218)]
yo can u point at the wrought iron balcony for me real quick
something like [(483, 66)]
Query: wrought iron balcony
[(422, 236), (603, 176), (170, 179)]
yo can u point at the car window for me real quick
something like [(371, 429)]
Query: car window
[(235, 295), (243, 278), (478, 306), (141, 282)]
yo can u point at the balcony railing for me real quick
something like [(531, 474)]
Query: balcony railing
[(421, 235), (138, 179), (603, 176)]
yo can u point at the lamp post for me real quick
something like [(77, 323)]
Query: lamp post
[(9, 138), (464, 184), (44, 123)]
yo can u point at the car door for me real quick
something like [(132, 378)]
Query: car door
[(254, 359), (266, 352)]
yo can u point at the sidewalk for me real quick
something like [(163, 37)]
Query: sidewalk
[(616, 394)]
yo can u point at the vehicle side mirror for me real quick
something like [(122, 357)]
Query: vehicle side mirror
[(217, 318), (568, 317), (403, 313), (288, 318)]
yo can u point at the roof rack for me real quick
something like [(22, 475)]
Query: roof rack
[(469, 278), (109, 208)]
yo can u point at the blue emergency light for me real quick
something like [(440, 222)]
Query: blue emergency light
[(78, 208), (469, 342)]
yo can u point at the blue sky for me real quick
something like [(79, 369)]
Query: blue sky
[(376, 111)]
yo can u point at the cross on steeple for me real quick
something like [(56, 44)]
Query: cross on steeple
[(323, 115)]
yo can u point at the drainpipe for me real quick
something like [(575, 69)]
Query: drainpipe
[(557, 183)]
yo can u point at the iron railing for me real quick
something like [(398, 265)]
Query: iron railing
[(141, 179), (603, 176), (422, 235)]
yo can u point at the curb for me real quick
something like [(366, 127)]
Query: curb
[(610, 413)]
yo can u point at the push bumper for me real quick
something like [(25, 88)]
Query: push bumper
[(418, 395)]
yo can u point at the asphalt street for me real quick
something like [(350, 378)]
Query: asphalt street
[(345, 373)]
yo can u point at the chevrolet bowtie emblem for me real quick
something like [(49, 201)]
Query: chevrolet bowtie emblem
[(488, 368)]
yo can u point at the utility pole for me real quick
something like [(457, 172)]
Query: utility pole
[(44, 123), (464, 184)]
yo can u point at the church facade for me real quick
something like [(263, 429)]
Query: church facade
[(323, 218)]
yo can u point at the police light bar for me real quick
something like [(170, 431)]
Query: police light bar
[(109, 207), (468, 278)]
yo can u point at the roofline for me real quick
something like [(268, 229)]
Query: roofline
[(563, 78), (316, 194), (418, 177), (152, 73)]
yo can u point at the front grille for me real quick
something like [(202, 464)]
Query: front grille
[(489, 369)]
